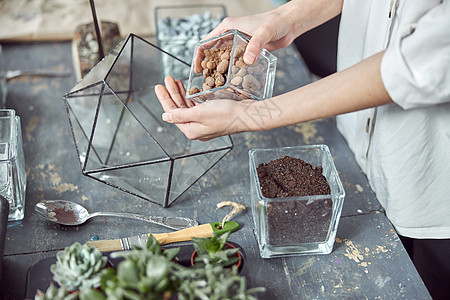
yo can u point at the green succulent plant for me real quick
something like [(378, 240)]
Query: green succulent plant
[(146, 273), (150, 272), (54, 293), (213, 250), (61, 293), (213, 282), (78, 266)]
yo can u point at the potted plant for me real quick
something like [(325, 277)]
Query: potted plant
[(151, 272), (78, 266), (212, 281), (215, 250), (146, 273)]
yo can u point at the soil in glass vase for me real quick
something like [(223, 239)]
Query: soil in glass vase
[(296, 221)]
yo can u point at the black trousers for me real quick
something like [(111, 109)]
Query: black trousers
[(431, 257)]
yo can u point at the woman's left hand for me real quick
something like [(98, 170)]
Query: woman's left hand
[(204, 121)]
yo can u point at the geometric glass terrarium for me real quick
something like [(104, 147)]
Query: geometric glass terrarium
[(115, 118)]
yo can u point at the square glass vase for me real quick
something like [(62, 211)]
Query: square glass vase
[(119, 136), (296, 225), (218, 70), (180, 27), (13, 179)]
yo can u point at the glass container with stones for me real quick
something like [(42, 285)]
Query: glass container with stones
[(120, 139), (218, 70), (180, 27)]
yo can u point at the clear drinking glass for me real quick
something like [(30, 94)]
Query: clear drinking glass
[(12, 164), (296, 225)]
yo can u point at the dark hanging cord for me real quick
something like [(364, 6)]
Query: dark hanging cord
[(97, 31)]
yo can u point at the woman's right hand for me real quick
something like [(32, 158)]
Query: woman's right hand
[(267, 30), (279, 27)]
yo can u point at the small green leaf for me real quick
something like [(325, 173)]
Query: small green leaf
[(108, 275), (157, 267), (153, 245), (171, 253), (132, 295), (146, 284), (91, 294), (128, 271), (162, 285), (210, 245)]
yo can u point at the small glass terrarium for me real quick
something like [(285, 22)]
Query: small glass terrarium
[(120, 138), (300, 225), (218, 70)]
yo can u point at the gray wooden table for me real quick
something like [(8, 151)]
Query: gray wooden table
[(368, 260)]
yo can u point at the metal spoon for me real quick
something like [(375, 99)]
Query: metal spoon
[(70, 213)]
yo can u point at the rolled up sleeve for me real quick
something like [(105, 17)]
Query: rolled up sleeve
[(415, 68)]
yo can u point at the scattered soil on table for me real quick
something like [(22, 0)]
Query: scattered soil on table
[(296, 221)]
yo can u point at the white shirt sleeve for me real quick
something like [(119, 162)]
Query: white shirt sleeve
[(415, 68)]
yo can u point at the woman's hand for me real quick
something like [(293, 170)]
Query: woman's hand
[(203, 121), (279, 27), (265, 30)]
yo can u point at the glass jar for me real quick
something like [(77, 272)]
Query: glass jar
[(12, 164), (296, 225), (219, 72)]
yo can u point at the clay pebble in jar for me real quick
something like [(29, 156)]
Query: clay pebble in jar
[(215, 66)]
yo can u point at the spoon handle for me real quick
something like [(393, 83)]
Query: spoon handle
[(176, 223)]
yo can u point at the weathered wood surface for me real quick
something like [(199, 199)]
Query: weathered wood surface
[(368, 261)]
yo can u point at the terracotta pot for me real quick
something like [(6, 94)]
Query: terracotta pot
[(238, 254)]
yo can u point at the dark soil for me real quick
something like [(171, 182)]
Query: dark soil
[(296, 221), (65, 215)]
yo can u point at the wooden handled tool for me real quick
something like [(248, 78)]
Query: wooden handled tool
[(200, 231)]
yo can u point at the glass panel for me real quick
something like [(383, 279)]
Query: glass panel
[(188, 170), (119, 138), (99, 72), (81, 109), (119, 77), (147, 181)]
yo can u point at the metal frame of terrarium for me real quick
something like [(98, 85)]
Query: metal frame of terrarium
[(115, 119)]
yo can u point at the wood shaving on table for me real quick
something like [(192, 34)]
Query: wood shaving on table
[(237, 208)]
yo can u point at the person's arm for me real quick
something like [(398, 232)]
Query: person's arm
[(355, 88), (279, 27)]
